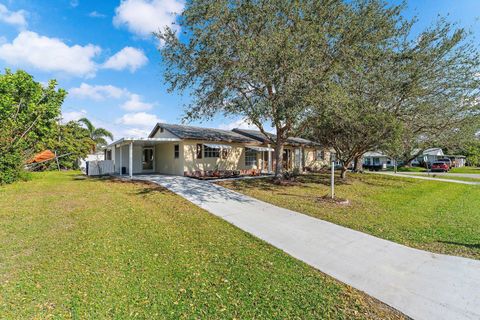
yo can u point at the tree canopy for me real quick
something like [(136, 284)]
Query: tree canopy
[(30, 123), (261, 60), (98, 135), (28, 116), (399, 91)]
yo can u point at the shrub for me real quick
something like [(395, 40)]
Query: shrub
[(10, 167)]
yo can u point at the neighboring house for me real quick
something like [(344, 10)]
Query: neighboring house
[(97, 156), (192, 151), (435, 154), (428, 156), (458, 160), (377, 159)]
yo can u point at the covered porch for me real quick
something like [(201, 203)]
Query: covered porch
[(142, 155)]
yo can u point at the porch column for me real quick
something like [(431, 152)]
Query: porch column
[(121, 160), (269, 160), (113, 158), (130, 159)]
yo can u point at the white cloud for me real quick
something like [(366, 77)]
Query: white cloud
[(99, 92), (136, 104), (141, 119), (136, 132), (74, 3), (240, 124), (96, 14), (50, 54), (128, 57), (16, 18), (142, 17), (133, 101), (73, 115)]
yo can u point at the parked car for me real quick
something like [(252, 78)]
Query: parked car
[(447, 161), (440, 166)]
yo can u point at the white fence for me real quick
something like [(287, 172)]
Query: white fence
[(98, 168)]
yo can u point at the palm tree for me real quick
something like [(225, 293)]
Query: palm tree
[(98, 135)]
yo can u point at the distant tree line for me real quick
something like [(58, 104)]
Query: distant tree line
[(30, 115), (349, 74)]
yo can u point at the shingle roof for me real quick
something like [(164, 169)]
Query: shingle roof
[(197, 133), (257, 135)]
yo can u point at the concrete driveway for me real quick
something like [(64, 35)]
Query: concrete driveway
[(420, 284)]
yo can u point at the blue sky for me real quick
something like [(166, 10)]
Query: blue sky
[(103, 54)]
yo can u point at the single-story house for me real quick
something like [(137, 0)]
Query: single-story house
[(458, 160), (376, 159), (195, 151), (436, 154), (428, 156)]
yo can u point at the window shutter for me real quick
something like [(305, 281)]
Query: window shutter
[(199, 151)]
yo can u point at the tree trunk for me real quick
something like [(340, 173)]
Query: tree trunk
[(357, 164), (343, 173), (278, 159)]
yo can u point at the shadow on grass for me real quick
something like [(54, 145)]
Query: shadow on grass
[(466, 245), (323, 180), (150, 190), (148, 187)]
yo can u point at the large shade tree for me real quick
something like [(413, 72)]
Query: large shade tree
[(438, 88), (261, 60), (400, 90)]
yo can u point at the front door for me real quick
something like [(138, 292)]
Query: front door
[(147, 159)]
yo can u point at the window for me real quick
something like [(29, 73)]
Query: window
[(176, 151), (250, 157), (199, 151), (319, 155), (147, 159), (211, 152), (161, 130)]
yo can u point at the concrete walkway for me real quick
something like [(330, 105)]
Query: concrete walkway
[(420, 284), (446, 174), (422, 177)]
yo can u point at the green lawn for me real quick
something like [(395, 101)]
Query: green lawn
[(437, 216), (95, 249), (465, 170)]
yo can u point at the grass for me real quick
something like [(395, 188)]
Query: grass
[(465, 170), (95, 249), (436, 216)]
